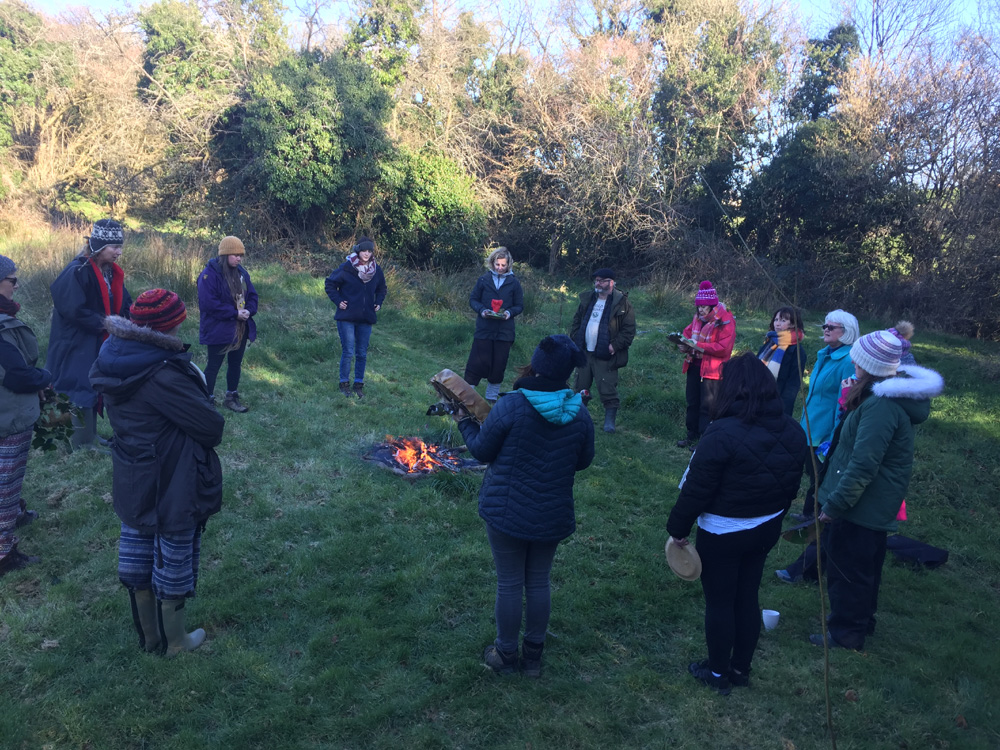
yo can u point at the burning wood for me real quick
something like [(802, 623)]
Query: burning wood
[(413, 457)]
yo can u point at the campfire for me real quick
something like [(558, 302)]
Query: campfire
[(413, 457)]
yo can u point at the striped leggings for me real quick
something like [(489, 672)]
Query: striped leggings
[(167, 563), (13, 459)]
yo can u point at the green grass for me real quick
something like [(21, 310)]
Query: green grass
[(347, 607)]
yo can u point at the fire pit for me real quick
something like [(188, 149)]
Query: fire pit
[(412, 457)]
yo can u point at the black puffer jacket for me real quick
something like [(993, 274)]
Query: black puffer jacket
[(742, 470), (535, 440), (167, 478)]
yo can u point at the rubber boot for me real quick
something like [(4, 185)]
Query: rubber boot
[(531, 658), (609, 418), (144, 618), (175, 638), (85, 430)]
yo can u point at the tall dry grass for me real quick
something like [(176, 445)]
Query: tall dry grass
[(149, 259)]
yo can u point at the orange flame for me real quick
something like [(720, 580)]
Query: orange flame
[(415, 455)]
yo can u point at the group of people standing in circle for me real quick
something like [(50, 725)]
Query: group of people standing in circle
[(860, 411)]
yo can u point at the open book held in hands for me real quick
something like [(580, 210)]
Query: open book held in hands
[(681, 340)]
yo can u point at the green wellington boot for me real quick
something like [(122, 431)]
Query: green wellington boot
[(175, 638), (144, 617)]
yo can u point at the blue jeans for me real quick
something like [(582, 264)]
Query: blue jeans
[(354, 346), (523, 569)]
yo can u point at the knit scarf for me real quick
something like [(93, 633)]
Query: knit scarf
[(779, 342), (365, 270), (703, 329), (9, 307), (111, 293)]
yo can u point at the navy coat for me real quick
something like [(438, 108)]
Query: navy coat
[(217, 307), (78, 328), (483, 293), (789, 380), (527, 491), (167, 477), (742, 470), (344, 285)]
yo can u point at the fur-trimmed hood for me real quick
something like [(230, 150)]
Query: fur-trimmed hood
[(911, 389), (911, 382), (131, 354)]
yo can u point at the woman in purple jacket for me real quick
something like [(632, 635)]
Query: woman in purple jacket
[(228, 303)]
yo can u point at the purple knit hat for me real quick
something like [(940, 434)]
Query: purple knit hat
[(877, 353)]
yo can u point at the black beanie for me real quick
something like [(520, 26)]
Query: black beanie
[(556, 356)]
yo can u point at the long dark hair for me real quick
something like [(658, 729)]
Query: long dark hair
[(860, 390), (747, 389)]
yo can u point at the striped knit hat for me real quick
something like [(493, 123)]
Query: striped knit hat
[(877, 353), (706, 294), (158, 309)]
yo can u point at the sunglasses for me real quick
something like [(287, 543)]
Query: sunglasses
[(827, 327), (11, 279)]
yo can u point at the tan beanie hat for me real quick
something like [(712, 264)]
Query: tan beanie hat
[(231, 246)]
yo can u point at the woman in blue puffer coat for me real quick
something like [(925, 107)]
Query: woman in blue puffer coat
[(535, 439)]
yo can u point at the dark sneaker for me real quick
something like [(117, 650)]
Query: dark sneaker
[(498, 661), (687, 442), (359, 390), (345, 388), (701, 672), (15, 560), (25, 517), (739, 679)]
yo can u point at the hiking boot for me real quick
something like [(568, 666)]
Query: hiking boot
[(609, 418), (531, 658), (15, 560), (345, 388), (359, 390), (701, 672), (498, 661), (232, 402)]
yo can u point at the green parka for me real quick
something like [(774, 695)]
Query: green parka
[(870, 468)]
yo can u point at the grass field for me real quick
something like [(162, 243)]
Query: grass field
[(347, 607)]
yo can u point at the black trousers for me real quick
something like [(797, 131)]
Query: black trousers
[(701, 396), (854, 574), (234, 364), (731, 569), (487, 359)]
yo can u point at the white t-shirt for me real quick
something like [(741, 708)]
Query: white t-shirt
[(594, 324)]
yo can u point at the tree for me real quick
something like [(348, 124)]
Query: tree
[(305, 141)]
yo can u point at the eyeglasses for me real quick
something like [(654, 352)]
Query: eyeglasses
[(11, 279), (827, 327)]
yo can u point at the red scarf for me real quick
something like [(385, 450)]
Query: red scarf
[(112, 303)]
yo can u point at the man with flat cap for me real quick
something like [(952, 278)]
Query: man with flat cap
[(603, 327)]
